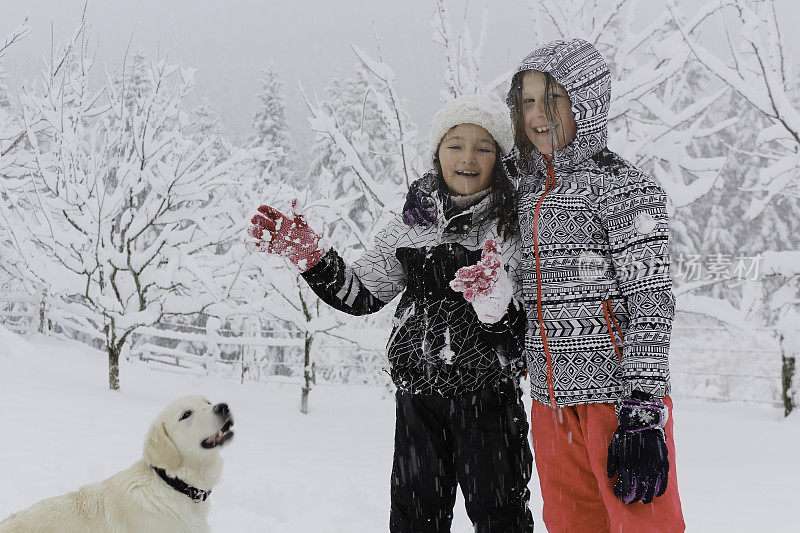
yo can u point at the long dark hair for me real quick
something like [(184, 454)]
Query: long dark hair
[(521, 141), (503, 202)]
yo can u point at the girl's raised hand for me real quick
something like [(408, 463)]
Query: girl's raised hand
[(292, 238), (486, 285)]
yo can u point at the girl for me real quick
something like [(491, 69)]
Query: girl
[(596, 285), (456, 364)]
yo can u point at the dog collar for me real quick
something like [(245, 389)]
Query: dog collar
[(181, 486)]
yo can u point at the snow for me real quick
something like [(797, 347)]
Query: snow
[(328, 471), (379, 68), (785, 263)]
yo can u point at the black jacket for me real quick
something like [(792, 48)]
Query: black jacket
[(437, 342)]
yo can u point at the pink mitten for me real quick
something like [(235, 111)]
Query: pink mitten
[(486, 285), (275, 233)]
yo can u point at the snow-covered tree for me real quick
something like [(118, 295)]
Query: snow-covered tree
[(463, 60), (335, 203), (717, 220), (134, 82), (759, 68), (207, 128), (657, 119), (364, 157), (361, 160), (291, 301), (12, 165), (123, 212), (781, 274), (271, 131), (270, 289), (5, 95), (750, 212)]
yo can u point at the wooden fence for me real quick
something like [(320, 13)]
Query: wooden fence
[(255, 354), (708, 361)]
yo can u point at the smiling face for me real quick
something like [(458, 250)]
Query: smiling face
[(467, 156), (547, 113)]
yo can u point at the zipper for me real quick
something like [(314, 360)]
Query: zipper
[(610, 317), (549, 184)]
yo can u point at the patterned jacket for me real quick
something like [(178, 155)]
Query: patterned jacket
[(595, 253), (437, 342)]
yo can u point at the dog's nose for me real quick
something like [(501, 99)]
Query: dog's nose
[(221, 409)]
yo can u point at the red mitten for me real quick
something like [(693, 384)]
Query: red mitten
[(275, 233), (486, 285)]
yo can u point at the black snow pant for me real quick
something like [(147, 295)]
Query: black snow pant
[(478, 440)]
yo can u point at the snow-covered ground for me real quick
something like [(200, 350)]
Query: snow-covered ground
[(328, 471)]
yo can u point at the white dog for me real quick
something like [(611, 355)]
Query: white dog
[(165, 491)]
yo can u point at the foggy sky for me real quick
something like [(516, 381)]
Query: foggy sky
[(231, 41)]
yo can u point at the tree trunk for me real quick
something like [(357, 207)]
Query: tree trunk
[(113, 368), (308, 375), (42, 311), (787, 375)]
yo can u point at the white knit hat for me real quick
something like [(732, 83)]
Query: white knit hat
[(484, 110)]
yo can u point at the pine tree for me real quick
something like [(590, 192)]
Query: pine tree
[(5, 98), (353, 104), (207, 128), (271, 131), (135, 82)]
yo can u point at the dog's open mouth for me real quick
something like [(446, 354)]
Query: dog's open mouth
[(222, 436)]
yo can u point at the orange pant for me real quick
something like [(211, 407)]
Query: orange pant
[(570, 446)]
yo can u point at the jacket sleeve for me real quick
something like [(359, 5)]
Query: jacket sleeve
[(634, 214), (373, 280)]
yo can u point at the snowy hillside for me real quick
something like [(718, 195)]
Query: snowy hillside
[(328, 471)]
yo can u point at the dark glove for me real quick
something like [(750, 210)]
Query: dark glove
[(638, 451), (420, 207)]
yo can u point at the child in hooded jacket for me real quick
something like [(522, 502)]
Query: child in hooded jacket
[(455, 359), (598, 294)]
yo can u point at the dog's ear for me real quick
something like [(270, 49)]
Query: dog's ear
[(159, 450)]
